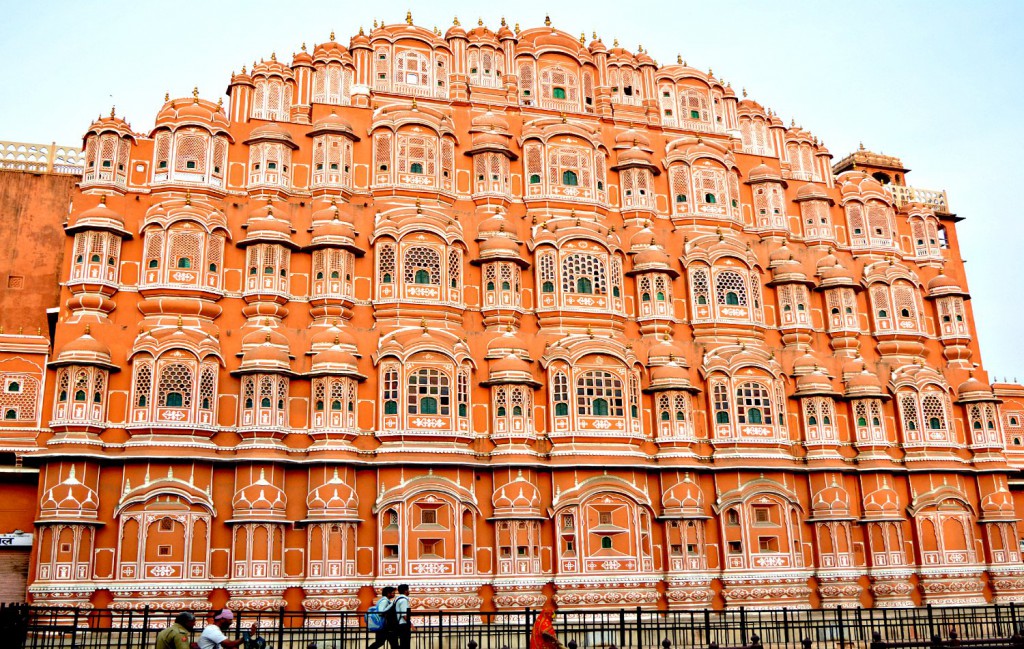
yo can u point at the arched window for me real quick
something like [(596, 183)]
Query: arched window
[(569, 178), (560, 394), (732, 299), (584, 285), (753, 404), (416, 168), (429, 393), (600, 394), (422, 265), (422, 276), (558, 93), (390, 384)]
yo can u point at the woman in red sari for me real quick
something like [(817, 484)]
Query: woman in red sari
[(544, 631)]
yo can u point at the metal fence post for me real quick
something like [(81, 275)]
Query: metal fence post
[(280, 627), (440, 630), (131, 627), (743, 625), (622, 628), (74, 630), (785, 623), (931, 623), (839, 620), (707, 626), (145, 626), (1013, 617)]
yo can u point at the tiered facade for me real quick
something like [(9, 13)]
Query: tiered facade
[(508, 316)]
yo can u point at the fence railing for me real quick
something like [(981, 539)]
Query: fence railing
[(71, 628), (41, 158)]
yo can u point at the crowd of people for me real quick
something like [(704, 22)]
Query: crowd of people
[(388, 618)]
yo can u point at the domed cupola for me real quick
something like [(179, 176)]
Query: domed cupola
[(69, 501), (831, 503), (260, 501), (683, 500), (335, 500), (517, 499), (108, 145)]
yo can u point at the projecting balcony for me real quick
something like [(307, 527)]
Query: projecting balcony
[(936, 198)]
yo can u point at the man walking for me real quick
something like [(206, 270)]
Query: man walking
[(377, 618), (402, 609), (176, 636), (213, 635)]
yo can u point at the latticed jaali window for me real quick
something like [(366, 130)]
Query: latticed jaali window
[(637, 189), (693, 105), (952, 320), (926, 238), (984, 425), (730, 289), (264, 400), (585, 274), (842, 309), (332, 161), (421, 265), (570, 172), (769, 206), (429, 393), (801, 160), (491, 174), (625, 85), (753, 404), (20, 396), (183, 256), (881, 233), (673, 416), (267, 268), (175, 387), (412, 72), (655, 291), (700, 292), (720, 402), (793, 301), (906, 303), (96, 257), (513, 406), (270, 164), (390, 389), (756, 140), (560, 394), (272, 99), (816, 220), (869, 422), (331, 84), (485, 66), (332, 273), (559, 89), (882, 308), (599, 394), (502, 285), (527, 92), (417, 155), (819, 420), (386, 265), (709, 187)]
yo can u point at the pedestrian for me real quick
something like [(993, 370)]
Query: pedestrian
[(403, 620), (252, 639), (543, 636), (213, 635), (176, 636), (377, 617)]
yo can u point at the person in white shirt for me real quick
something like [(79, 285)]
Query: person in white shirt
[(213, 635)]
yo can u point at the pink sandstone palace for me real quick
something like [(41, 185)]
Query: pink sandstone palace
[(508, 315)]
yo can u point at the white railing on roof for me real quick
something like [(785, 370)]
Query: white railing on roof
[(41, 158), (934, 197)]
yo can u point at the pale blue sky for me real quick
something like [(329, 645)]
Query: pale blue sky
[(939, 84)]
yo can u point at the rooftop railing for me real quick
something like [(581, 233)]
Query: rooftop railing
[(41, 158), (936, 198)]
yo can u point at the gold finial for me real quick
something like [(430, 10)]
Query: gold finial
[(408, 17), (710, 73), (640, 47), (679, 59), (744, 92), (167, 96), (479, 21), (267, 339), (360, 31), (88, 329), (594, 34), (195, 94), (188, 197), (563, 117), (243, 69), (179, 323), (503, 22), (414, 103), (332, 33), (103, 199), (273, 57), (419, 208), (112, 110), (583, 38), (547, 20), (423, 324), (220, 102), (861, 146), (456, 23), (375, 23), (336, 339), (303, 46), (615, 42), (516, 30)]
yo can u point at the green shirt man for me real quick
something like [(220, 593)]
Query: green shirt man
[(177, 635)]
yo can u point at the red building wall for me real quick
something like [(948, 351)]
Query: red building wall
[(509, 317)]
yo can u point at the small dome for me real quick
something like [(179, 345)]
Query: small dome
[(263, 335), (631, 138), (782, 253), (510, 369), (942, 281), (335, 361), (267, 357), (683, 500), (85, 350), (70, 498), (334, 500), (99, 217), (259, 501), (998, 504), (267, 228), (812, 192), (501, 346), (815, 383), (653, 257), (864, 384), (332, 123), (271, 132), (882, 503), (332, 335), (192, 111), (973, 390), (762, 173), (497, 223), (489, 121), (634, 155), (831, 502), (665, 352), (519, 498)]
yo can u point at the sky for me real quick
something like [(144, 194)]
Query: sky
[(939, 84)]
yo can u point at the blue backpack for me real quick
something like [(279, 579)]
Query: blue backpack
[(375, 617)]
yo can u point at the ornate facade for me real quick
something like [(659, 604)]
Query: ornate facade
[(509, 316)]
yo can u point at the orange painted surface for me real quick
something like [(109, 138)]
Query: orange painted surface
[(508, 317)]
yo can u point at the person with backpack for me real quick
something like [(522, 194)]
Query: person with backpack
[(402, 606), (376, 618)]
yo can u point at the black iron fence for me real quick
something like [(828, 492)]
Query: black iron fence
[(856, 628)]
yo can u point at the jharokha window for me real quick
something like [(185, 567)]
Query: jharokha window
[(429, 393)]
